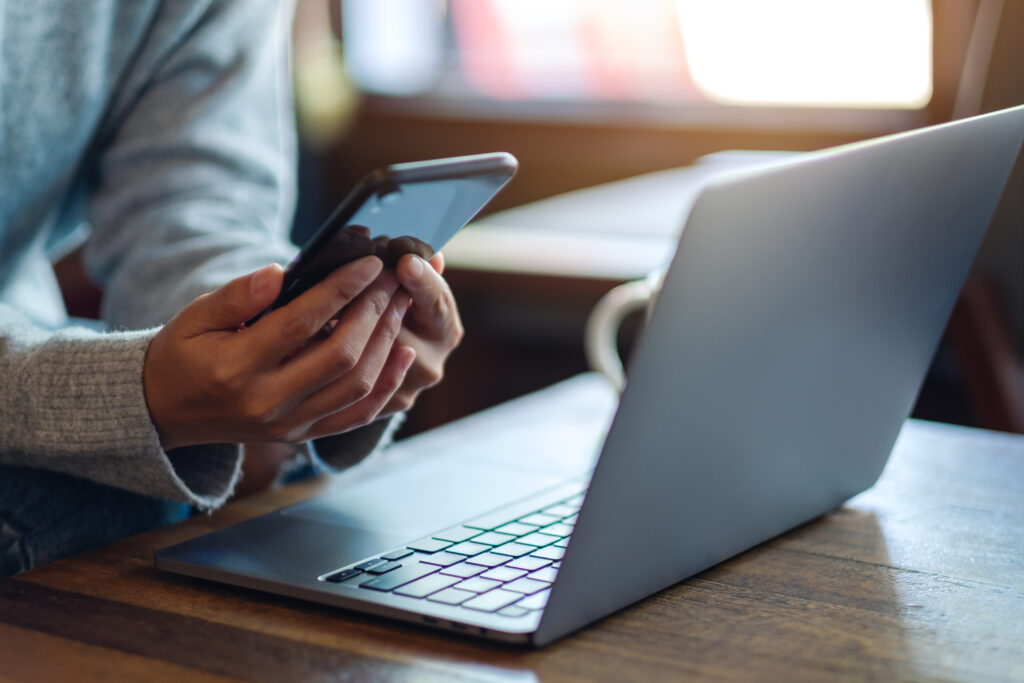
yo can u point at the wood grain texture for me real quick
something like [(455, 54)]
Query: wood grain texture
[(32, 655), (920, 578)]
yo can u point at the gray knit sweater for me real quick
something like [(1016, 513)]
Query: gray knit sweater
[(159, 130)]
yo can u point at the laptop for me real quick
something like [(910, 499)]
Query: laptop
[(795, 325)]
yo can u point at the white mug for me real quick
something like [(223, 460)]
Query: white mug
[(602, 332)]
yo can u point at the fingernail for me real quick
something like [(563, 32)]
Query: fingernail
[(410, 356), (261, 281), (403, 306), (368, 268), (415, 266)]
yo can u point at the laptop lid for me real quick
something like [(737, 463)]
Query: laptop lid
[(795, 325)]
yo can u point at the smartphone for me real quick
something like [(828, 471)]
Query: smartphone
[(403, 208)]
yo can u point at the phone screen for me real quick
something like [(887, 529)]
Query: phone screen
[(406, 208)]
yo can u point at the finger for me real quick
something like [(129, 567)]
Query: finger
[(434, 313), (228, 307), (403, 398), (375, 318), (351, 386), (400, 402), (369, 408), (428, 370), (280, 332), (437, 263)]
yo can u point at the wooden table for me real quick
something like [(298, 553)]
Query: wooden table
[(921, 577)]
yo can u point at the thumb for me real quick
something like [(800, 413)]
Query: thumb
[(229, 307), (437, 263)]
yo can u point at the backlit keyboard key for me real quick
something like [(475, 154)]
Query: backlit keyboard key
[(429, 545), (493, 538), (550, 553), (546, 574), (443, 559), (492, 601), (469, 548), (488, 560), (514, 549), (383, 568), (561, 510), (457, 534), (526, 586), (421, 588), (343, 575), (397, 554), (538, 539), (535, 601), (529, 563), (399, 577), (503, 574), (370, 563), (463, 570), (451, 596), (517, 528), (558, 529), (540, 519), (478, 585)]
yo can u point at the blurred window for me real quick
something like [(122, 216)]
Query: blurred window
[(783, 53)]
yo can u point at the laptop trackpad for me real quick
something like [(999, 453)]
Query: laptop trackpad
[(419, 498)]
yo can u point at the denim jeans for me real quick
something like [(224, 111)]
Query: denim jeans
[(45, 516)]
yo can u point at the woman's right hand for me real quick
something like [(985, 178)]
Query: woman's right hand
[(210, 379)]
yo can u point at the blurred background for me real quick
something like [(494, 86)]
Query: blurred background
[(587, 92)]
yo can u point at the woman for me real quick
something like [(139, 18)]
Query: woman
[(165, 128)]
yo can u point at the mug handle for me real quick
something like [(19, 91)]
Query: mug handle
[(602, 331)]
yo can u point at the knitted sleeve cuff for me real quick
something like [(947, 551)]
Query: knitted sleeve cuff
[(341, 451), (78, 407)]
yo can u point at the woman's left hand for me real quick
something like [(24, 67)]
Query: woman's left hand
[(432, 327)]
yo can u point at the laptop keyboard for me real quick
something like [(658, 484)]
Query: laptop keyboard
[(503, 562)]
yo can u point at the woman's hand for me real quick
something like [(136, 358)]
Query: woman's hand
[(432, 328), (209, 379)]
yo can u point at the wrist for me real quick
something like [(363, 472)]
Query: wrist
[(154, 394), (265, 464)]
